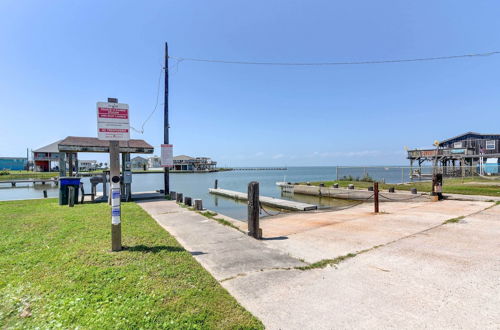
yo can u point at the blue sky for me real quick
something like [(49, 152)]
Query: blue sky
[(58, 58)]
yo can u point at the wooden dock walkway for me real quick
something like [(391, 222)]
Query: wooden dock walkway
[(34, 181), (269, 201), (259, 168)]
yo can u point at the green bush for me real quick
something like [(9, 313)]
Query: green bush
[(4, 172)]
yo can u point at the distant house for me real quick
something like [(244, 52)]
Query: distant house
[(87, 165), (191, 164), (464, 152), (139, 163), (13, 163), (44, 156), (154, 162)]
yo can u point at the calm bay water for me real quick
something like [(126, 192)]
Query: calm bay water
[(196, 185)]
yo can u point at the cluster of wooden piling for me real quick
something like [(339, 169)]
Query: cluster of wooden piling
[(197, 204)]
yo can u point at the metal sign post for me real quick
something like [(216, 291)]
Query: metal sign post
[(113, 125)]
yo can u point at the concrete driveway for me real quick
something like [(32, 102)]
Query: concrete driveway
[(423, 273)]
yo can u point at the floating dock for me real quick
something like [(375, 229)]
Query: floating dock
[(269, 201), (352, 194), (34, 181)]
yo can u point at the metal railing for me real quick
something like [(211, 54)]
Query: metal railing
[(403, 174)]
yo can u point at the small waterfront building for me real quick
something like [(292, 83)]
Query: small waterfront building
[(87, 165), (139, 163), (461, 155), (44, 157), (13, 163), (154, 162), (191, 164)]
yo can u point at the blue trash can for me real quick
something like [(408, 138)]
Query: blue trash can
[(64, 183)]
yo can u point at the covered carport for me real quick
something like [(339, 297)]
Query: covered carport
[(71, 145)]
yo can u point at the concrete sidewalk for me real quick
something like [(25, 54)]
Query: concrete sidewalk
[(223, 251), (444, 277)]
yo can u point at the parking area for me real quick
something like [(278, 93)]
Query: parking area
[(313, 236), (424, 274)]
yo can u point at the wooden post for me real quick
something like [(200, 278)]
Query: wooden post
[(116, 226), (62, 164), (188, 201), (253, 210), (216, 184), (71, 196), (411, 170), (166, 126), (104, 186), (462, 165), (375, 196), (45, 194), (179, 198), (70, 162), (198, 205)]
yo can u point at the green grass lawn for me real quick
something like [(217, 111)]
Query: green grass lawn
[(467, 186), (56, 270), (17, 175)]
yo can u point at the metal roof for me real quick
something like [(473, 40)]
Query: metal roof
[(53, 147), (183, 157), (92, 144), (465, 134)]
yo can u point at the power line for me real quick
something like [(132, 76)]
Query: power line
[(335, 63), (141, 131)]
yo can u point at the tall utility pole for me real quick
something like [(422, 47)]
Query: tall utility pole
[(165, 121)]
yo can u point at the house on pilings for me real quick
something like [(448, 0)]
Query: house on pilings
[(463, 155)]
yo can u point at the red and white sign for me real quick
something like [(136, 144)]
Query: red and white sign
[(113, 121), (167, 155)]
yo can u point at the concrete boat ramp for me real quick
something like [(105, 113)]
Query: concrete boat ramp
[(269, 201), (408, 267)]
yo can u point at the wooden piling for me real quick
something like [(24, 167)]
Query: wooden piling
[(71, 196), (375, 196), (253, 210), (179, 198), (115, 196), (173, 195), (198, 204), (188, 201), (45, 194), (216, 184)]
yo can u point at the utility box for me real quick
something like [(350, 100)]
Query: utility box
[(127, 177), (64, 184)]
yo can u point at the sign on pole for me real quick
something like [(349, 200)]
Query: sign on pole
[(167, 155), (113, 121)]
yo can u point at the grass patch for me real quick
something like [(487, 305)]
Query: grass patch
[(212, 215), (56, 270), (467, 186), (24, 175), (327, 262), (454, 220)]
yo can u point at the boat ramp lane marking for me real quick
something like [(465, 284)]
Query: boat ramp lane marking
[(269, 201)]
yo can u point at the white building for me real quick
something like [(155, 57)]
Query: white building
[(154, 162), (87, 165)]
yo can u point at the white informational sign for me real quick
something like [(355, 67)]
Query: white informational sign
[(113, 121), (115, 204), (167, 155)]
